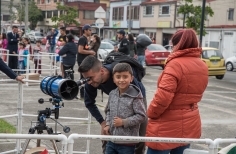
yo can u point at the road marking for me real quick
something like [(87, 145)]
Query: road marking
[(221, 96), (223, 92), (222, 87), (217, 108)]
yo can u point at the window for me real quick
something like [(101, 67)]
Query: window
[(55, 1), (164, 10), (49, 14), (44, 14), (134, 13), (231, 14), (48, 1), (118, 13), (148, 11), (38, 1), (42, 1), (61, 12), (88, 14), (55, 13)]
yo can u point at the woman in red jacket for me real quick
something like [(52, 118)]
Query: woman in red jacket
[(173, 112)]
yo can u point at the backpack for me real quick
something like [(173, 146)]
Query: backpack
[(118, 57)]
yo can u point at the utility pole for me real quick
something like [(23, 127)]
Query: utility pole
[(202, 21), (129, 28), (26, 15)]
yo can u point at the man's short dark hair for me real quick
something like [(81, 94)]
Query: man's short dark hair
[(14, 27), (63, 28), (122, 67), (90, 62)]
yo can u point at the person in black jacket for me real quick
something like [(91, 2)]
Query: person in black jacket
[(124, 43), (7, 70), (69, 52), (12, 46)]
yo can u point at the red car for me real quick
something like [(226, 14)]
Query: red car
[(156, 55)]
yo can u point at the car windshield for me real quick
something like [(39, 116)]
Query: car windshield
[(206, 54), (106, 46), (156, 47), (38, 34)]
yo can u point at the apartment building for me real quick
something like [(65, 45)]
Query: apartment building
[(119, 18)]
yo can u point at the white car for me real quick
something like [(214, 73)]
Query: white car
[(230, 63), (104, 49), (35, 35)]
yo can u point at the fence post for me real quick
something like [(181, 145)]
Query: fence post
[(19, 117)]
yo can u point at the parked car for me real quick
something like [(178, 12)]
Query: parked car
[(34, 36), (104, 49), (156, 54), (113, 42), (168, 47), (215, 62), (230, 63)]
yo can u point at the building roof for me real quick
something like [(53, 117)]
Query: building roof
[(87, 5), (157, 1)]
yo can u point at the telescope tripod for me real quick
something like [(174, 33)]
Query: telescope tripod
[(39, 128)]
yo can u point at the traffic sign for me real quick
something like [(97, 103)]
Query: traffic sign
[(99, 23), (100, 13)]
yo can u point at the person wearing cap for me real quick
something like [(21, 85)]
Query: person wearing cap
[(7, 70), (124, 43), (83, 50)]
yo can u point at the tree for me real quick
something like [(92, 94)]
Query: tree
[(193, 15), (35, 14), (13, 15), (20, 16), (68, 17)]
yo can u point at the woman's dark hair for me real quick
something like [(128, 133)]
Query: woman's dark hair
[(27, 40), (184, 39), (70, 37), (4, 36), (98, 40), (21, 43), (130, 37)]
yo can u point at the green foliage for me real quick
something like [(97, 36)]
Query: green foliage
[(35, 14), (68, 17), (13, 15), (193, 15), (20, 13)]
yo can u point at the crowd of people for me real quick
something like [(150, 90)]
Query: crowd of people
[(173, 111)]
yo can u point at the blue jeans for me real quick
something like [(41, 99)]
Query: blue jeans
[(178, 150), (112, 148), (21, 66), (141, 60), (52, 49)]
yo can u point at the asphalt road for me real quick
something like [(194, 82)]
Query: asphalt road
[(217, 109)]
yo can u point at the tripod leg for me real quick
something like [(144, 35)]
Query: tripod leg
[(55, 146), (38, 142), (31, 131)]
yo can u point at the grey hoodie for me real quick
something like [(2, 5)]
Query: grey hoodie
[(129, 107)]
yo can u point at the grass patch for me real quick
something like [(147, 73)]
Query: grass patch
[(5, 127)]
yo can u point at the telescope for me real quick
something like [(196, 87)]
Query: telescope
[(57, 87)]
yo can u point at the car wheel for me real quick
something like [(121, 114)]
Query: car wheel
[(229, 66), (220, 77)]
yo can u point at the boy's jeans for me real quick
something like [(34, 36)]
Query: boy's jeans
[(178, 150), (112, 148)]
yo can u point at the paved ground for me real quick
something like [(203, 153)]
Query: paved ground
[(217, 109)]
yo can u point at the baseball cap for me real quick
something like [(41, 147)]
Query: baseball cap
[(86, 27), (121, 32)]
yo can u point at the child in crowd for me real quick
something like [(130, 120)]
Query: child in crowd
[(125, 110), (21, 51), (28, 50), (37, 57)]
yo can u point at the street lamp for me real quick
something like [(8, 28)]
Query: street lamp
[(202, 21)]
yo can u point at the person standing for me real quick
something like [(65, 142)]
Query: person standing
[(70, 50), (37, 57), (21, 64), (132, 46), (174, 112), (12, 46), (125, 110), (4, 46), (84, 51), (95, 44), (52, 42), (62, 40), (124, 44)]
